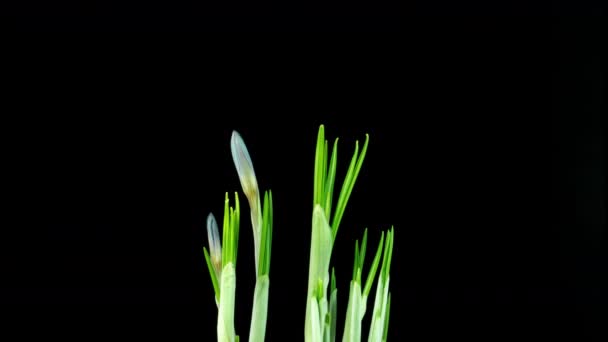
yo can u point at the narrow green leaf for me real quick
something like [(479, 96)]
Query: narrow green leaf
[(318, 180), (331, 176), (388, 251), (377, 324), (269, 232), (333, 311), (356, 262), (323, 173), (349, 183), (262, 261), (237, 224), (379, 327), (386, 317), (362, 250), (216, 287), (374, 267), (226, 233), (343, 198), (232, 225)]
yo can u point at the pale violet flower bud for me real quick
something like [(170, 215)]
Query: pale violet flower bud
[(215, 245), (244, 166)]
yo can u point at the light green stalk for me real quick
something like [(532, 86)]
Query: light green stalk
[(260, 309)]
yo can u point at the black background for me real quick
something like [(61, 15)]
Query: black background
[(239, 15), (486, 154)]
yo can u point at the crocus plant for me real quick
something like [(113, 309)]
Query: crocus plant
[(321, 304), (321, 308)]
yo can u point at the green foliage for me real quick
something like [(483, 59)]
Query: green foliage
[(321, 304)]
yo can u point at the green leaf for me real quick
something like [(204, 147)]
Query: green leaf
[(216, 288), (266, 245), (343, 197), (263, 245), (226, 233), (333, 312), (349, 182), (386, 317), (356, 262), (323, 174), (236, 224), (331, 176), (379, 323), (374, 267), (319, 157), (269, 232), (388, 253), (362, 250)]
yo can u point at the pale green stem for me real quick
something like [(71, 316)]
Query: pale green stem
[(257, 332), (225, 317)]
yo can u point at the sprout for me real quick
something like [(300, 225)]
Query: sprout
[(328, 210), (325, 223), (249, 183), (261, 222), (219, 256)]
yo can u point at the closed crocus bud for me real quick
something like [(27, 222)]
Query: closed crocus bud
[(215, 245), (244, 167)]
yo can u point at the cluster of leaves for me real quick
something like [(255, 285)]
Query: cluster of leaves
[(321, 305), (321, 308)]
